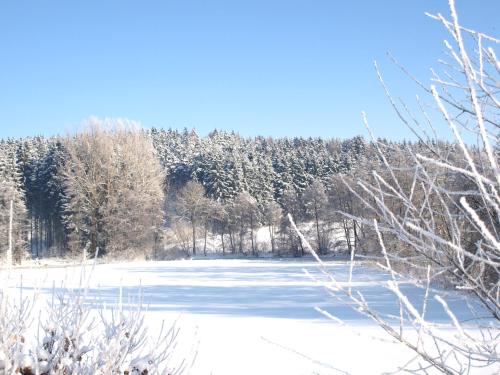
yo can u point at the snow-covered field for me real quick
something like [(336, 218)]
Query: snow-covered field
[(254, 316)]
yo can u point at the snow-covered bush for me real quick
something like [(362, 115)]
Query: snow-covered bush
[(70, 337)]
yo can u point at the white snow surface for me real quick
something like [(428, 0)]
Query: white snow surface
[(253, 316)]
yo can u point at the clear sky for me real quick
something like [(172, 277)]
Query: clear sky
[(260, 67)]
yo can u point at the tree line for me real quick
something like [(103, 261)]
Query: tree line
[(117, 188)]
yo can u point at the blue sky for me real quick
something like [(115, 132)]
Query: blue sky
[(257, 67)]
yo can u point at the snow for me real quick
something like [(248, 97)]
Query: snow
[(253, 316)]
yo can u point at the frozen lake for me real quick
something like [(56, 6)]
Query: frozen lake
[(255, 316)]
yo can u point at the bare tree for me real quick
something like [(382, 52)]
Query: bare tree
[(248, 213), (291, 205), (219, 221), (115, 188), (211, 217), (190, 205), (340, 200), (182, 235), (272, 218), (134, 217), (315, 202)]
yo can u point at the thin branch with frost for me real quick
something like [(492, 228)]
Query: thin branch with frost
[(364, 308), (486, 233), (443, 216)]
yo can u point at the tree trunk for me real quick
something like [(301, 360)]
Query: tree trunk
[(31, 235), (155, 246), (205, 243), (251, 235), (222, 240), (9, 252), (301, 246), (231, 241), (355, 234), (241, 238), (271, 234), (347, 234), (36, 236), (317, 228), (95, 243), (194, 236)]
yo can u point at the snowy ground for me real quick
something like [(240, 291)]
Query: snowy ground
[(254, 316)]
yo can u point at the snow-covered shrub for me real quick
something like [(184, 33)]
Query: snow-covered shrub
[(14, 319), (70, 337)]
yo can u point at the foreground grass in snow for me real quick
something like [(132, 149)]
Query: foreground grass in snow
[(253, 316)]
